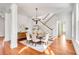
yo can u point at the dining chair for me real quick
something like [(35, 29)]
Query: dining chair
[(28, 38), (46, 39), (35, 40)]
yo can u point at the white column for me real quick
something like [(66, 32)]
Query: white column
[(77, 30), (14, 26), (57, 27), (7, 27), (73, 33)]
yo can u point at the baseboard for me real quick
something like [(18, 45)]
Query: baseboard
[(1, 36), (76, 46), (68, 39)]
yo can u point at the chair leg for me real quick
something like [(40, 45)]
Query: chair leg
[(35, 43), (27, 41), (46, 43)]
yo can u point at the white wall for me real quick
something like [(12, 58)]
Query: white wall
[(66, 19), (2, 27), (75, 19), (24, 21), (7, 26)]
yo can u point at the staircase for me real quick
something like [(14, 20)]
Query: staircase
[(49, 25)]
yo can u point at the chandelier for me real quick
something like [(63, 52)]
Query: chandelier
[(36, 19)]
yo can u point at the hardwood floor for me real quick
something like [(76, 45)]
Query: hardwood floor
[(1, 45), (58, 47)]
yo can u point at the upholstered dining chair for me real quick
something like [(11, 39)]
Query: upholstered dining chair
[(45, 40), (28, 38), (35, 40)]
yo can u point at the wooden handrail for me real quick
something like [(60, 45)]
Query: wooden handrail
[(46, 25)]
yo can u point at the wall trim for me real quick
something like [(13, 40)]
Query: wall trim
[(76, 46)]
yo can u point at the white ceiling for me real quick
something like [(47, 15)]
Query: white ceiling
[(43, 8), (4, 7)]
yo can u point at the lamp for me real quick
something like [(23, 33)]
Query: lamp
[(35, 18)]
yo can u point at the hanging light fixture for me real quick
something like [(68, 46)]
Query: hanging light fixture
[(36, 19)]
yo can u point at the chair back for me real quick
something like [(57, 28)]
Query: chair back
[(47, 37), (28, 36), (33, 37)]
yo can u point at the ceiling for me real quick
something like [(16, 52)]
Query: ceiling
[(43, 8), (28, 9), (4, 7)]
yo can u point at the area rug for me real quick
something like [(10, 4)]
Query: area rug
[(38, 47)]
